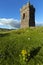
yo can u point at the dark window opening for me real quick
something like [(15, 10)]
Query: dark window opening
[(23, 15)]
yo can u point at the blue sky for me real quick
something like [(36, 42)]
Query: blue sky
[(10, 12)]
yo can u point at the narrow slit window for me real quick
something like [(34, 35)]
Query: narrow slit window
[(23, 15)]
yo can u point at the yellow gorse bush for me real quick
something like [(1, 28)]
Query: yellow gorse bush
[(23, 52)]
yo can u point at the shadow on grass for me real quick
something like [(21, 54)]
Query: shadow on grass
[(5, 34), (33, 53)]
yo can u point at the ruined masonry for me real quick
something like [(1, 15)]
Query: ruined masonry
[(27, 16)]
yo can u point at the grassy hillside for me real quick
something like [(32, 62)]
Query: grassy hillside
[(13, 42)]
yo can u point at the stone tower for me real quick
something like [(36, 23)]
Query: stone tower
[(27, 16)]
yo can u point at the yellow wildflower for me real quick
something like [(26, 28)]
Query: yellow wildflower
[(23, 52)]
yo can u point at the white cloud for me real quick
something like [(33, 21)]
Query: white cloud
[(10, 22), (1, 23), (39, 23)]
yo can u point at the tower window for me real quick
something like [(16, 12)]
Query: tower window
[(23, 15)]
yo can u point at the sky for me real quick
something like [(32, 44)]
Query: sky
[(10, 12)]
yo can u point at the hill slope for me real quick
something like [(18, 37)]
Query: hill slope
[(12, 42)]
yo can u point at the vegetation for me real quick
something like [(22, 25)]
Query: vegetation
[(27, 41)]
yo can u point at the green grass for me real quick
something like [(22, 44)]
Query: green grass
[(12, 42)]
